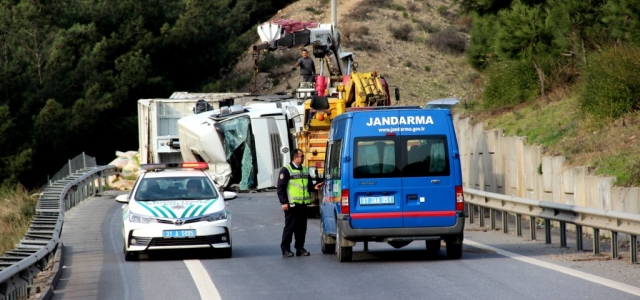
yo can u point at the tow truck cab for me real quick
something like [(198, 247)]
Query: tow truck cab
[(392, 175)]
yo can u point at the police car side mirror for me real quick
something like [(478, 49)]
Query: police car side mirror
[(229, 195), (123, 198)]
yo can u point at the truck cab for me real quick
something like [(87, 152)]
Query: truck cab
[(392, 174)]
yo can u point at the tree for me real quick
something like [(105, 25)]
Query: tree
[(524, 33)]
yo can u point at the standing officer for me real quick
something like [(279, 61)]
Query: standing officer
[(294, 187)]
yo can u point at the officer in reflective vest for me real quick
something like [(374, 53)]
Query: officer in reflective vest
[(294, 188)]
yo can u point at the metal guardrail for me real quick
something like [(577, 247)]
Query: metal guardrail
[(597, 219), (79, 162), (20, 266)]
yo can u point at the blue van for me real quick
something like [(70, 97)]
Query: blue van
[(392, 174)]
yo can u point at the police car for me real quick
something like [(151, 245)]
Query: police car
[(175, 206)]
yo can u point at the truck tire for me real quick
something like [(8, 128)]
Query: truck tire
[(344, 253), (326, 248)]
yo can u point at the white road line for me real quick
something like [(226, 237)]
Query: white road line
[(596, 279), (205, 286)]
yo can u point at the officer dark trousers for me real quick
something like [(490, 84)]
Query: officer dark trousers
[(295, 223)]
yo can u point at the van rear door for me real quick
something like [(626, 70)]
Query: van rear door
[(428, 194), (375, 186)]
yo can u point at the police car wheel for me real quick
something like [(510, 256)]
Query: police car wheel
[(226, 252), (129, 256), (344, 253)]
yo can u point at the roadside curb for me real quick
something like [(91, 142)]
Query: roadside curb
[(47, 293)]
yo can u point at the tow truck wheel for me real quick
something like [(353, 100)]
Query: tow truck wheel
[(344, 253), (433, 246), (326, 248)]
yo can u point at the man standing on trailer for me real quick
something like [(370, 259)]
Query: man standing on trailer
[(307, 67)]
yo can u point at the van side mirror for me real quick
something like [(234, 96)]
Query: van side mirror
[(123, 198)]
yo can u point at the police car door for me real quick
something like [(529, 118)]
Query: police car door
[(428, 194), (375, 187)]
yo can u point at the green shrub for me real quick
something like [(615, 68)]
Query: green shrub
[(426, 26), (510, 83), (610, 84), (405, 15), (442, 10), (267, 62), (397, 7), (408, 64), (360, 14), (427, 68), (401, 32), (313, 10), (448, 41)]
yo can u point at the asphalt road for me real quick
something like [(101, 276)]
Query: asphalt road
[(493, 265)]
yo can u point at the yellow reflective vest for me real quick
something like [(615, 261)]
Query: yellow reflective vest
[(297, 189)]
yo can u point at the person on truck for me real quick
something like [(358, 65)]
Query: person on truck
[(307, 67), (294, 192)]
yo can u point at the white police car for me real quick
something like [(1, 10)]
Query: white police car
[(175, 206)]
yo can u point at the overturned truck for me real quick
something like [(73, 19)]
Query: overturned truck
[(245, 146)]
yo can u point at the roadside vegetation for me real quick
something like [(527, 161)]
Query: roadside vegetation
[(565, 74), (17, 206)]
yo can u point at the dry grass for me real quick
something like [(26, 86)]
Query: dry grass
[(16, 211)]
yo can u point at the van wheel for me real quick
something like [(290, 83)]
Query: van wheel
[(326, 248), (344, 253), (433, 246), (454, 250)]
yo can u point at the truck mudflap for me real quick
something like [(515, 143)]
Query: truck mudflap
[(415, 233)]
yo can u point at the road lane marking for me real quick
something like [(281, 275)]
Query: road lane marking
[(586, 276), (205, 286)]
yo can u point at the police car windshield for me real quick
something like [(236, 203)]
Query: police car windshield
[(406, 156), (175, 188)]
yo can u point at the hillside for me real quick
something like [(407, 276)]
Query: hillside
[(416, 45)]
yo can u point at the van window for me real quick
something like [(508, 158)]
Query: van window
[(426, 156), (414, 156), (376, 158), (334, 160)]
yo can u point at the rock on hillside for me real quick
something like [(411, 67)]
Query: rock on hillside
[(417, 45)]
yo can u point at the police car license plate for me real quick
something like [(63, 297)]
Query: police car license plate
[(169, 234), (377, 200)]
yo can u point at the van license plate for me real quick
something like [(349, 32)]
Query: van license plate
[(169, 234), (380, 200)]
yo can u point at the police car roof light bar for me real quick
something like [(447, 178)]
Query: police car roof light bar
[(184, 165)]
